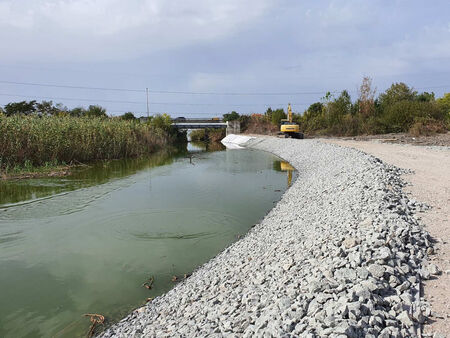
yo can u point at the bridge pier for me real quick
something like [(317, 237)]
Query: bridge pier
[(233, 127)]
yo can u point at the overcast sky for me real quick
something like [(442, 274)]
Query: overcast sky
[(227, 46)]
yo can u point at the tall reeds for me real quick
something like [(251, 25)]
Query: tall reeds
[(31, 141)]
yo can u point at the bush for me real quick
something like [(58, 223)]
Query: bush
[(258, 124), (277, 116), (230, 116), (198, 135), (209, 134), (128, 116), (400, 116), (427, 126), (162, 121)]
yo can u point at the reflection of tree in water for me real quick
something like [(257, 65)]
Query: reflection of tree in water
[(208, 146), (96, 173)]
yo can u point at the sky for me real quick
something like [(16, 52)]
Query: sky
[(204, 58)]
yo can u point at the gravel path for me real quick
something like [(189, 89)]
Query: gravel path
[(341, 255)]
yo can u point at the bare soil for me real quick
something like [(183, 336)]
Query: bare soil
[(430, 183), (402, 138)]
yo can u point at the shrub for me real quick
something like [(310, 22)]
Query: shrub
[(209, 134), (162, 121), (427, 126), (230, 116), (276, 116), (258, 124), (198, 135), (400, 116)]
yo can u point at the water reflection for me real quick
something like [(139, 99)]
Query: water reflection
[(286, 167), (13, 191)]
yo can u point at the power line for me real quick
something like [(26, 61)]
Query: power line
[(154, 103), (72, 87), (190, 92), (162, 91)]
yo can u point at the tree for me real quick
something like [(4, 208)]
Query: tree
[(46, 108), (366, 100), (95, 111), (277, 116), (339, 107), (268, 114), (163, 121), (396, 93), (128, 116), (315, 108), (23, 107), (231, 116), (444, 103), (425, 97), (77, 112)]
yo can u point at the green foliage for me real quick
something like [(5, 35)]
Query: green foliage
[(95, 111), (231, 116), (198, 135), (128, 116), (425, 97), (161, 121), (244, 120), (34, 141), (20, 108), (46, 108), (277, 115), (208, 134), (315, 109), (337, 108), (77, 112), (396, 93), (268, 114), (398, 109), (400, 116), (444, 104)]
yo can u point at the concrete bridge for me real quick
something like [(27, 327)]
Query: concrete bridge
[(233, 127)]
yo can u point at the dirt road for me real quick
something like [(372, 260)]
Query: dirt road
[(430, 183)]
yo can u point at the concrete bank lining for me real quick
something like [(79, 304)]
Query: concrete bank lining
[(340, 254)]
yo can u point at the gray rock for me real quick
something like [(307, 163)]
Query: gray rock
[(349, 242), (405, 319), (376, 270)]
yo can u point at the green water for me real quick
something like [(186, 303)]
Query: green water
[(86, 243)]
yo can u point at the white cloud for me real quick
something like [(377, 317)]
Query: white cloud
[(114, 29)]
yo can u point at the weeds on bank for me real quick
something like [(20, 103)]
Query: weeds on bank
[(30, 143)]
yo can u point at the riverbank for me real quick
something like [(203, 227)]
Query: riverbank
[(341, 253)]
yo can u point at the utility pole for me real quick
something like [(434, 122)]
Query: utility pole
[(148, 112)]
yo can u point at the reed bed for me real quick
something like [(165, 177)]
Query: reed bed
[(31, 141)]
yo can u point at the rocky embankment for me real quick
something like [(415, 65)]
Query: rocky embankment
[(341, 254)]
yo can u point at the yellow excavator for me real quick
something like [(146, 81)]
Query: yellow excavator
[(289, 128)]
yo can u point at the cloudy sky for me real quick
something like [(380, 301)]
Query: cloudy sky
[(278, 51)]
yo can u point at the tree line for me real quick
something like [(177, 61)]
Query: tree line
[(48, 108), (399, 109)]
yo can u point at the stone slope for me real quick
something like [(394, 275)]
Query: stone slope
[(340, 254)]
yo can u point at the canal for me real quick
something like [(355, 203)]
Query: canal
[(86, 243)]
